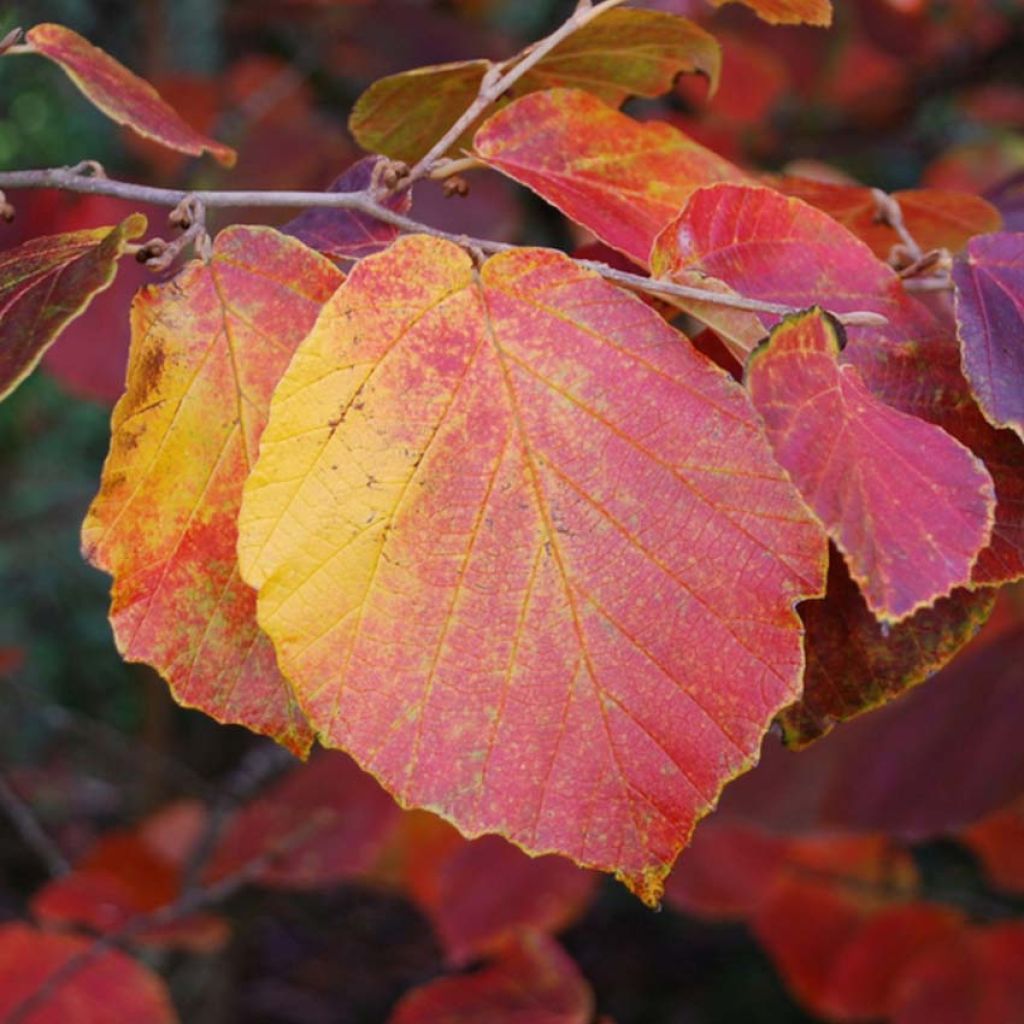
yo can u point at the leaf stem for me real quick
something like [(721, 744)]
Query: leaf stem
[(72, 180)]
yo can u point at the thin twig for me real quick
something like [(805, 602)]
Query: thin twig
[(188, 903), (495, 84), (257, 767), (31, 831), (365, 203)]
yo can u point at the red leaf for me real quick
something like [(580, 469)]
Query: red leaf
[(855, 664), (620, 179), (990, 323), (346, 234), (120, 94), (208, 349), (479, 894), (134, 872), (976, 977), (112, 987), (45, 283), (569, 441), (998, 842), (909, 507), (328, 819), (534, 982)]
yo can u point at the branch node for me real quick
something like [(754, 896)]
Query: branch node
[(88, 169), (7, 210), (387, 175), (456, 185)]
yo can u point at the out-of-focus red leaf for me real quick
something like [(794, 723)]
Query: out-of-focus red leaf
[(346, 234), (976, 166), (328, 819), (788, 12), (1007, 196), (936, 219), (481, 893), (619, 178), (11, 659), (623, 53), (990, 324), (45, 283), (854, 663), (909, 507), (975, 977), (120, 94), (998, 842), (111, 987), (531, 982), (134, 872), (937, 760)]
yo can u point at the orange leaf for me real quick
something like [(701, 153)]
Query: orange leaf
[(47, 282), (112, 986), (619, 178), (788, 12), (207, 350), (855, 664), (525, 554), (120, 94), (937, 219), (534, 981), (909, 507)]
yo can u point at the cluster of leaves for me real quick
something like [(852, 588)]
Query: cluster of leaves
[(500, 529)]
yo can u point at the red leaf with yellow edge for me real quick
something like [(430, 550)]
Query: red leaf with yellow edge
[(619, 178), (207, 350), (534, 981), (112, 986), (788, 12), (555, 603), (326, 819), (622, 53), (990, 323), (909, 507), (480, 893), (976, 977), (795, 254), (854, 663), (935, 218), (47, 282), (121, 94), (128, 874)]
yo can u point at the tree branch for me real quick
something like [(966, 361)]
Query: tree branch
[(495, 84), (72, 180), (31, 831)]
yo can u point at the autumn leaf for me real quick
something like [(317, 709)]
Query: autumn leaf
[(997, 840), (120, 94), (788, 12), (112, 986), (535, 981), (909, 507), (207, 350), (347, 234), (990, 323), (624, 52), (795, 254), (855, 663), (935, 218), (622, 179), (47, 282), (128, 873), (325, 820), (500, 526)]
